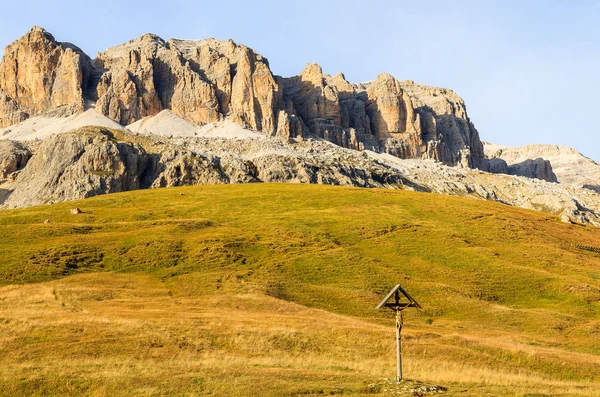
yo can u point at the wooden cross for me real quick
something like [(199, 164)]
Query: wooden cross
[(398, 306)]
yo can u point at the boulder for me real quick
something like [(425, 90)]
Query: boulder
[(497, 166), (13, 157)]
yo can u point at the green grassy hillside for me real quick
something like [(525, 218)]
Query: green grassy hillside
[(270, 290)]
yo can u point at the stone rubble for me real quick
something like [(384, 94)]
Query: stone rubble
[(96, 160)]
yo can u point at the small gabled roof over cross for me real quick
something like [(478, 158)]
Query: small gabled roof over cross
[(396, 304)]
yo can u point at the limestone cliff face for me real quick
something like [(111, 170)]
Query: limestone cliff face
[(402, 118), (202, 81), (37, 73), (393, 118), (446, 130), (208, 80)]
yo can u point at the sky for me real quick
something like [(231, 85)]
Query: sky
[(528, 70)]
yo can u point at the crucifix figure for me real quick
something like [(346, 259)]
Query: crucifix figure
[(398, 307)]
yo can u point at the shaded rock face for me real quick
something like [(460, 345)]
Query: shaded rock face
[(208, 80), (13, 157), (497, 166), (533, 168), (402, 118)]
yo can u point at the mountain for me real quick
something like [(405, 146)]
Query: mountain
[(173, 113), (205, 81), (269, 289), (568, 165)]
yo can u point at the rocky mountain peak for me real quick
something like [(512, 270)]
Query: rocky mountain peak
[(312, 73), (37, 32), (385, 78), (147, 43), (38, 74)]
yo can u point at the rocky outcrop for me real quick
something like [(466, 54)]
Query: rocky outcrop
[(209, 80), (77, 165), (398, 117), (536, 168), (568, 166), (571, 204), (13, 157), (92, 161), (182, 167), (37, 73)]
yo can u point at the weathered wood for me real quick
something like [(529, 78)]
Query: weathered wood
[(399, 322), (396, 293), (399, 305)]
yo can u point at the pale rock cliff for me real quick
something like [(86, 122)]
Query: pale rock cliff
[(568, 165), (398, 117), (205, 81), (37, 73), (449, 134)]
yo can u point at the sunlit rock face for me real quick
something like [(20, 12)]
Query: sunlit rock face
[(205, 81)]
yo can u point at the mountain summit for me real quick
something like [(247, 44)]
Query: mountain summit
[(205, 81)]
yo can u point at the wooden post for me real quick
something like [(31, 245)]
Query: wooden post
[(399, 344), (399, 307)]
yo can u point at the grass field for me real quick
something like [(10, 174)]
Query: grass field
[(270, 290)]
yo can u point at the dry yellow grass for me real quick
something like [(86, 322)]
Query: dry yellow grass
[(123, 334), (269, 290)]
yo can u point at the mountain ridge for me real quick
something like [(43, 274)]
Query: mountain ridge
[(570, 166), (209, 80), (199, 106)]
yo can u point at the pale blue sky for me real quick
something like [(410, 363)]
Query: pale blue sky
[(528, 70)]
